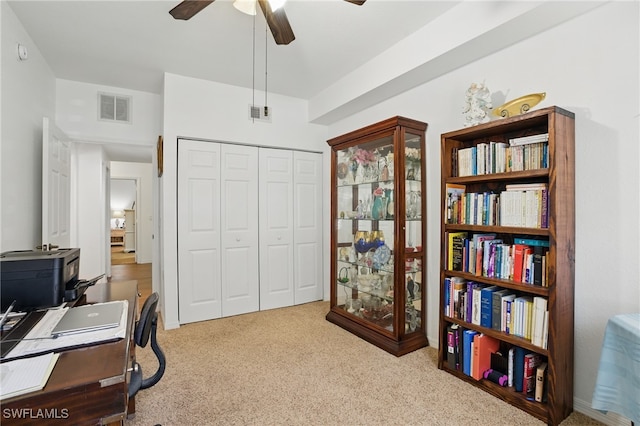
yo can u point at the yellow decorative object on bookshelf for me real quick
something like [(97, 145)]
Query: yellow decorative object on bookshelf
[(520, 105)]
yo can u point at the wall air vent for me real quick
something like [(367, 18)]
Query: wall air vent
[(115, 108), (261, 113)]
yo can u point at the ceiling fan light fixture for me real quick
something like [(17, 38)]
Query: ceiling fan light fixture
[(246, 6), (276, 4)]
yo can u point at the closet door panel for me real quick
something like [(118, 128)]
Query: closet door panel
[(199, 276), (239, 229), (276, 228), (307, 210)]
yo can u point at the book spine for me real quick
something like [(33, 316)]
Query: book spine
[(496, 314), (451, 362), (540, 382), (486, 308)]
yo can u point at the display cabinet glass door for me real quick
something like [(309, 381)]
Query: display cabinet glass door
[(413, 250), (366, 232)]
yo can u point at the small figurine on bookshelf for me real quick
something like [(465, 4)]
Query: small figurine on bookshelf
[(477, 104)]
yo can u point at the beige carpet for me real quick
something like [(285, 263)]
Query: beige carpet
[(291, 367)]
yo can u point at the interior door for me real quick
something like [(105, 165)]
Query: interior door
[(276, 228), (307, 254), (199, 271), (56, 187), (239, 229)]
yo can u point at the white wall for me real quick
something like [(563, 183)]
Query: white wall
[(204, 110), (585, 68), (28, 95), (77, 114), (91, 189), (143, 173), (588, 65)]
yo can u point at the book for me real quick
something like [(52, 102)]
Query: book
[(531, 362), (468, 311), (518, 259), (506, 311), (467, 339), (496, 306), (488, 256), (478, 242), (457, 339), (456, 253), (538, 254), (484, 346), (510, 361), (458, 286), (451, 357), (526, 140), (545, 330), (454, 193), (486, 305), (531, 241), (541, 379), (518, 367), (476, 308), (539, 309)]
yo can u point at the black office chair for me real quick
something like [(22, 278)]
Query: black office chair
[(147, 325)]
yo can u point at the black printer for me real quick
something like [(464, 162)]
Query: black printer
[(38, 279)]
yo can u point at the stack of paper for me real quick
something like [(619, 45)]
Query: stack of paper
[(26, 375)]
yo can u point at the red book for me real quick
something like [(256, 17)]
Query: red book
[(531, 363), (483, 347), (518, 258)]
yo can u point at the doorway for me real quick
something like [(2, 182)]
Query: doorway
[(123, 199)]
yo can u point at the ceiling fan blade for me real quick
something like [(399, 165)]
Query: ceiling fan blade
[(188, 8), (278, 23), (358, 2)]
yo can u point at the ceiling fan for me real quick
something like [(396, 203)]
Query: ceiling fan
[(276, 19)]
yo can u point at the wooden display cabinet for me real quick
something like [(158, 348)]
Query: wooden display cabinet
[(378, 254), (492, 170)]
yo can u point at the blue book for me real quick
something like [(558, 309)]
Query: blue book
[(531, 242), (518, 368), (467, 338), (486, 305)]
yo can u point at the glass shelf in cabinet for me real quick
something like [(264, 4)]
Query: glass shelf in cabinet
[(386, 295)]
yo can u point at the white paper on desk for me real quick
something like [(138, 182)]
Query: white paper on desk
[(41, 340), (26, 375)]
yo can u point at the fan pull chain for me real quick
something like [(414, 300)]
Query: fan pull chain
[(253, 78), (266, 104)]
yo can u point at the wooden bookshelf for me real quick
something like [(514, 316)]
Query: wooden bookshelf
[(558, 289)]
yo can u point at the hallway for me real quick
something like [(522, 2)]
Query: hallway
[(140, 272)]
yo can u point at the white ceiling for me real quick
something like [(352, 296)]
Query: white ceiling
[(130, 44)]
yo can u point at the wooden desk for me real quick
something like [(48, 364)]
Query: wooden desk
[(88, 386)]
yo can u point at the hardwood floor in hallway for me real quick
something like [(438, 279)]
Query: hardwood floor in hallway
[(140, 272)]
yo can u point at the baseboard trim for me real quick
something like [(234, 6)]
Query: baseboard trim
[(609, 418)]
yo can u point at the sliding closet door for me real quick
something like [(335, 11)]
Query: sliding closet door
[(239, 225), (307, 253), (276, 228), (199, 271)]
